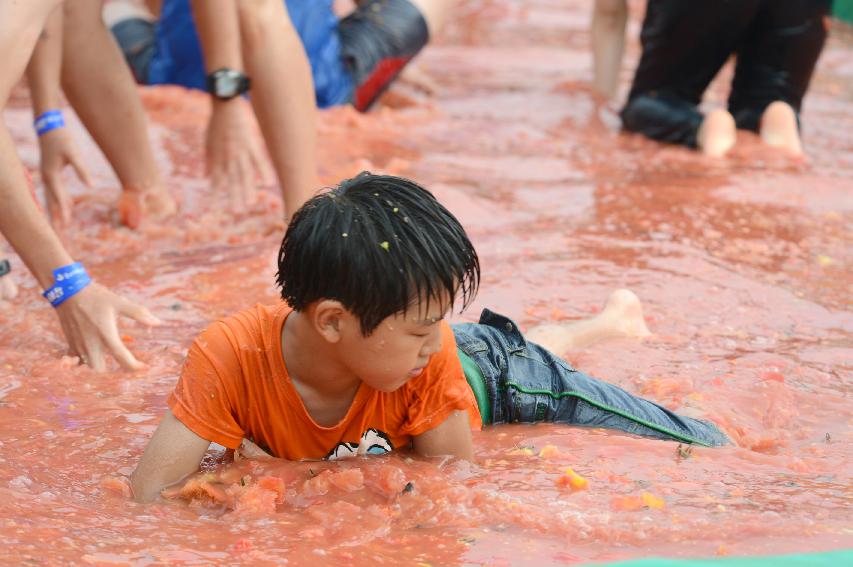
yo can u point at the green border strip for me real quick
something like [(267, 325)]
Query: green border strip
[(843, 10), (605, 407), (826, 559)]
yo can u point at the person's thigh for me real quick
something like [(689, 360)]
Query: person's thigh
[(686, 43), (684, 46), (548, 389), (377, 41), (777, 58)]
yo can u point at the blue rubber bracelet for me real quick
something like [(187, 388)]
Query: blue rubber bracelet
[(68, 281), (50, 120)]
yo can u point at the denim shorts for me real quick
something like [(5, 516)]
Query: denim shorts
[(528, 384)]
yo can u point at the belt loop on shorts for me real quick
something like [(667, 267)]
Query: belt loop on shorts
[(505, 325)]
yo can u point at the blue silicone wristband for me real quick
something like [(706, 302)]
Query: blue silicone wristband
[(47, 121), (68, 281)]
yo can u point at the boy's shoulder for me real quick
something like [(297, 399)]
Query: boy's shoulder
[(257, 328)]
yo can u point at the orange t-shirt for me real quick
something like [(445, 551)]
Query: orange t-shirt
[(234, 384)]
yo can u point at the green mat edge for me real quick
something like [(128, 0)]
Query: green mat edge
[(843, 10), (824, 559)]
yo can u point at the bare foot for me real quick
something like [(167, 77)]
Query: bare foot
[(625, 310), (716, 135), (622, 317), (133, 206), (779, 128)]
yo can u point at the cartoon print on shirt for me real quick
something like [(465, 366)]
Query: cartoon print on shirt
[(373, 442)]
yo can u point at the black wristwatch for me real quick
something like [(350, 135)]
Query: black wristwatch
[(226, 83)]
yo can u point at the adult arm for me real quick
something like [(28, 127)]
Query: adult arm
[(101, 88), (56, 147), (233, 154), (88, 318), (173, 453), (451, 437), (282, 96)]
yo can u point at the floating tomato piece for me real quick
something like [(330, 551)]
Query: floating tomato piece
[(652, 501), (572, 480), (771, 375), (549, 451)]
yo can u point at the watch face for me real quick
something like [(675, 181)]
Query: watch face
[(227, 84)]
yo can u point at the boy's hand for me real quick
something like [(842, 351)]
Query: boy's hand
[(452, 437), (90, 322), (57, 152), (249, 451), (234, 154)]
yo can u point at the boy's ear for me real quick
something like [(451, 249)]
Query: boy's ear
[(328, 319)]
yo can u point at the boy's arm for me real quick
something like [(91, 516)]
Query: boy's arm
[(451, 437), (173, 453)]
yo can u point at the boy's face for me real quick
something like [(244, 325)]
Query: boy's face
[(398, 349)]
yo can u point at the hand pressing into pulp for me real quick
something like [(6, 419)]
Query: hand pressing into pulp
[(249, 451), (57, 152), (90, 322), (234, 155)]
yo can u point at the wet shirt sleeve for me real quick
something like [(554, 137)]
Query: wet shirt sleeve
[(210, 387), (440, 390)]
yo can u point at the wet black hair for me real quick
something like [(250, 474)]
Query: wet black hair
[(378, 244)]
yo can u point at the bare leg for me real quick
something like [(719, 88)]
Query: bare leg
[(716, 135), (608, 44), (779, 128), (622, 316), (99, 86), (119, 10), (435, 12)]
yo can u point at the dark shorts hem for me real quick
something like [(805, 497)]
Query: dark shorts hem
[(377, 41), (136, 38)]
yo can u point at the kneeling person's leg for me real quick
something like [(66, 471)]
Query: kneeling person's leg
[(377, 41)]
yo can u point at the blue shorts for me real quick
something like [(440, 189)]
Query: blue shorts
[(528, 384), (353, 60)]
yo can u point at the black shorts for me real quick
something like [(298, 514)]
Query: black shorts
[(776, 43)]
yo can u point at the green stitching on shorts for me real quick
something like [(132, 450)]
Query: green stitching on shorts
[(619, 412)]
